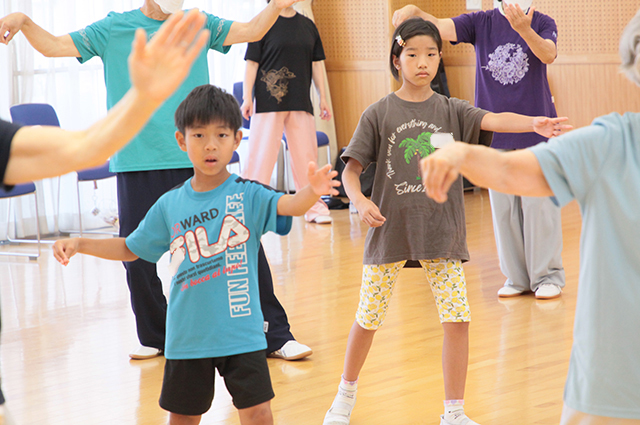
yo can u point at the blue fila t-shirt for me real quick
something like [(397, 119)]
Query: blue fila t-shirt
[(213, 237), (155, 147)]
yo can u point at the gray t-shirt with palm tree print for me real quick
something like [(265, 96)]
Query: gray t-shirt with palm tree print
[(395, 134)]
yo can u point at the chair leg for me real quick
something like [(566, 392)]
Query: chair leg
[(79, 207), (16, 240), (285, 167)]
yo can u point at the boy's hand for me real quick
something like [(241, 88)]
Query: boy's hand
[(321, 181), (369, 213), (64, 249), (158, 67), (550, 127)]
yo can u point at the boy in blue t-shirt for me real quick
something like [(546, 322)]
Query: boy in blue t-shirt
[(212, 225)]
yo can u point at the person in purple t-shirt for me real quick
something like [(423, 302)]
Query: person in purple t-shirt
[(514, 44)]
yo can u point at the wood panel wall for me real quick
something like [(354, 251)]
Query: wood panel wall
[(355, 39), (584, 79)]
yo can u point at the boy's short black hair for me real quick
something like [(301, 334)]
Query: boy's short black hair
[(208, 104), (407, 30)]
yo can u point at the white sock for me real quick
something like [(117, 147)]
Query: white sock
[(345, 399), (454, 411)]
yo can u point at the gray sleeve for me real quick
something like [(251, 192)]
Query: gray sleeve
[(470, 119), (365, 143)]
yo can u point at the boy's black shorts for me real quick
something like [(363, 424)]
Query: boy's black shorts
[(187, 387)]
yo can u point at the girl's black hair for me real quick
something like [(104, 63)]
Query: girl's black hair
[(407, 30), (208, 104)]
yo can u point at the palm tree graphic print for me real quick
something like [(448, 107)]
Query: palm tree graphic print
[(421, 146)]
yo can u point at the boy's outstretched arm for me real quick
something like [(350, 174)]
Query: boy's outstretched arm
[(255, 29), (367, 210), (516, 172), (508, 122), (320, 183), (109, 249)]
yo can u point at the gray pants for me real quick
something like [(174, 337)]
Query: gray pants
[(528, 235)]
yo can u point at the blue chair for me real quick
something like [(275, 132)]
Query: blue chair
[(246, 123), (322, 140), (16, 191), (44, 114)]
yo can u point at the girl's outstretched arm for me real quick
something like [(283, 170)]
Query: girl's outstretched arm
[(320, 183), (367, 210), (508, 122), (109, 249)]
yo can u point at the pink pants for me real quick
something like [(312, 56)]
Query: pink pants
[(264, 144)]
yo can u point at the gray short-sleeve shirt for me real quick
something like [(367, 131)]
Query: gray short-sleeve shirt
[(395, 134)]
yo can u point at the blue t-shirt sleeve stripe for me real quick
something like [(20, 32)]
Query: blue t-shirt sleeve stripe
[(219, 29), (92, 40)]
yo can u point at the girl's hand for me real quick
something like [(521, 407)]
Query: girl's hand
[(325, 113), (64, 249), (370, 213), (321, 180), (247, 108), (550, 127)]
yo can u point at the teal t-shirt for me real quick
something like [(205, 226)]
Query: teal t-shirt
[(155, 147), (599, 166), (214, 237)]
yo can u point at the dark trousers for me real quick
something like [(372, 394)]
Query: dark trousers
[(137, 192)]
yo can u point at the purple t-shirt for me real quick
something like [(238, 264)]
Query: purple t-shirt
[(509, 77)]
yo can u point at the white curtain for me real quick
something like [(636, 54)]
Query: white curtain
[(78, 94)]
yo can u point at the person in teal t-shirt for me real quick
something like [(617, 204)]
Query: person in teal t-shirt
[(152, 163), (212, 225), (599, 167)]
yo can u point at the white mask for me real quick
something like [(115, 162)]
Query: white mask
[(524, 4), (170, 6)]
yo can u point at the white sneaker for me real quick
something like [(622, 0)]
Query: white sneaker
[(292, 350), (460, 420), (340, 411), (319, 219), (548, 291), (143, 353), (508, 291)]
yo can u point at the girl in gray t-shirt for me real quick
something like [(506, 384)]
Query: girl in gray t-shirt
[(396, 132)]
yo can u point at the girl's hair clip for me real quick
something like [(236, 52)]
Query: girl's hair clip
[(400, 41)]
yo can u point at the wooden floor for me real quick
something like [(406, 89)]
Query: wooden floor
[(66, 334)]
